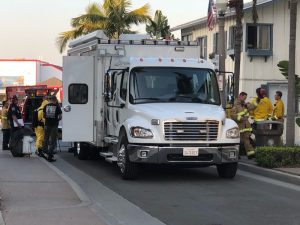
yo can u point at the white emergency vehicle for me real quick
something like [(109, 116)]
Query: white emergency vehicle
[(141, 101)]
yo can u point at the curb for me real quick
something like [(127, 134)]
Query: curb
[(75, 187), (1, 219), (274, 174)]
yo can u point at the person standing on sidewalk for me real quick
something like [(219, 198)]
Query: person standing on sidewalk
[(14, 114), (240, 115), (278, 111), (39, 130), (5, 126), (52, 114)]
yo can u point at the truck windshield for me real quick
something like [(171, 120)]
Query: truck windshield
[(165, 84)]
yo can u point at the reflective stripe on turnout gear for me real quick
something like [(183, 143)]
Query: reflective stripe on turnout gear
[(246, 130), (250, 153), (242, 113)]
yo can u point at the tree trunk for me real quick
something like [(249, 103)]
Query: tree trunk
[(239, 5), (290, 125)]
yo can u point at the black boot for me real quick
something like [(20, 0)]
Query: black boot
[(51, 159)]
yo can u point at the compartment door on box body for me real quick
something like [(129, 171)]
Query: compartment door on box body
[(78, 98)]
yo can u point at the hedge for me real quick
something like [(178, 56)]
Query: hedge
[(279, 156)]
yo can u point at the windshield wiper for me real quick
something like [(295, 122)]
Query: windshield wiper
[(192, 98), (150, 98), (180, 96)]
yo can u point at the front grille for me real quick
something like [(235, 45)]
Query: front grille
[(191, 131), (180, 157)]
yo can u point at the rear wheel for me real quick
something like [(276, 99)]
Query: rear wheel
[(129, 170), (227, 170)]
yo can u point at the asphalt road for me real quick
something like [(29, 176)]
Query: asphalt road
[(199, 196)]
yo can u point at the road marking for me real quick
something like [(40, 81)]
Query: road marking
[(269, 180)]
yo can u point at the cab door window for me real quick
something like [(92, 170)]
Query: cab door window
[(123, 90)]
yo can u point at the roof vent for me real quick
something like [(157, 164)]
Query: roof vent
[(99, 34), (134, 37)]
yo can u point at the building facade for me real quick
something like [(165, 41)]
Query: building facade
[(264, 44), (22, 72)]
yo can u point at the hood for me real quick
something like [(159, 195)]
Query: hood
[(180, 111), (44, 103)]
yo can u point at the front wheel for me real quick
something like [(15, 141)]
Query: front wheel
[(227, 170), (129, 170)]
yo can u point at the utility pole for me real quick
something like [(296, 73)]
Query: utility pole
[(222, 54)]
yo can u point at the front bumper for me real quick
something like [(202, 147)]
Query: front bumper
[(174, 155)]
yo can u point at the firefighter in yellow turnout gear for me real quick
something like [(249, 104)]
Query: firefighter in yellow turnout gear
[(240, 115), (278, 111), (39, 130), (264, 108)]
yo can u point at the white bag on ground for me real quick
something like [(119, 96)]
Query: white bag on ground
[(28, 145)]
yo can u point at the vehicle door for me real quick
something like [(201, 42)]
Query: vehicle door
[(116, 106), (78, 98)]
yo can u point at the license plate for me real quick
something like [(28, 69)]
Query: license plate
[(190, 151)]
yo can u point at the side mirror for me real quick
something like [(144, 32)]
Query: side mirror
[(108, 83), (229, 102)]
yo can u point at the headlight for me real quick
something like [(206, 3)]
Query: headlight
[(233, 133), (140, 132)]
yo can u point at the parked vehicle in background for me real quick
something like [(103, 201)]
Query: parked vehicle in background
[(141, 101), (19, 91), (33, 100)]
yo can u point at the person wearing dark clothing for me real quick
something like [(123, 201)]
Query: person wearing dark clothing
[(5, 126), (52, 114), (14, 114)]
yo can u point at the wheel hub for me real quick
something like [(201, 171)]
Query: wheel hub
[(121, 158)]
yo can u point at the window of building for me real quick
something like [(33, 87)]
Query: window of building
[(78, 93), (216, 43), (259, 39), (231, 37), (187, 37), (203, 47)]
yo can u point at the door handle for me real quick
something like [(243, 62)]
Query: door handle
[(67, 108)]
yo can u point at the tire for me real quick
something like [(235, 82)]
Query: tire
[(82, 153), (227, 170), (128, 170)]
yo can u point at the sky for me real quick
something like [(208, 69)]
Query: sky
[(29, 28)]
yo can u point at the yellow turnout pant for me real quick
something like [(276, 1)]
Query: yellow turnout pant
[(39, 132)]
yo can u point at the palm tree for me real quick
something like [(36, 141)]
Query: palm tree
[(158, 27), (113, 16), (290, 124)]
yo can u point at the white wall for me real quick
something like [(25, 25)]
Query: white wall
[(47, 71), (14, 72)]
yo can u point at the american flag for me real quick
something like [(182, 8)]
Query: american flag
[(210, 14)]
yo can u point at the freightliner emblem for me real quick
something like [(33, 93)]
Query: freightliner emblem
[(191, 118)]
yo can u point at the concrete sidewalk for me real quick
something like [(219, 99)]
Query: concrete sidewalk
[(34, 192)]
